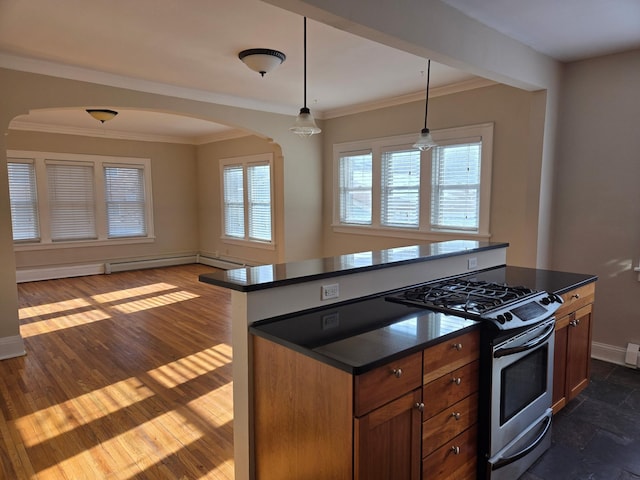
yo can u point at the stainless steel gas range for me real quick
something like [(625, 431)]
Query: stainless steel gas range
[(516, 365)]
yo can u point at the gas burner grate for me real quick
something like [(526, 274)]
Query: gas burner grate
[(470, 296)]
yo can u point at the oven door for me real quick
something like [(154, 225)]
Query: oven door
[(522, 371)]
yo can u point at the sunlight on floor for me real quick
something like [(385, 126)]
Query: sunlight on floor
[(154, 302)]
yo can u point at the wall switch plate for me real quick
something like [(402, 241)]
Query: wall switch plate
[(473, 263), (330, 291)]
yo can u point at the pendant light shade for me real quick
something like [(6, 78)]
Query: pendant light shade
[(425, 141), (101, 114), (305, 125), (262, 60)]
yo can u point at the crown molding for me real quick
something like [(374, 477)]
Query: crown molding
[(118, 135), (463, 86)]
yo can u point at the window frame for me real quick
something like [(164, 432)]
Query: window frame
[(40, 160), (245, 162), (425, 231)]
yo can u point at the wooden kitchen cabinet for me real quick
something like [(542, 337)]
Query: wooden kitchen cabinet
[(572, 355), (450, 396), (387, 440)]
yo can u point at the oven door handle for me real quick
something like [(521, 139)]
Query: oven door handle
[(503, 462), (503, 352)]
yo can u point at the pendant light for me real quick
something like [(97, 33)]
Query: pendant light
[(425, 141), (305, 125)]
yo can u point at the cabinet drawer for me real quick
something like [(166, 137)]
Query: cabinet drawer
[(451, 355), (449, 423), (577, 298), (450, 388), (379, 386), (455, 460)]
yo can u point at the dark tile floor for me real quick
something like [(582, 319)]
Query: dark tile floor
[(597, 435)]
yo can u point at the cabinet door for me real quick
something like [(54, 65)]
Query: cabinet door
[(387, 441), (578, 352), (560, 364)]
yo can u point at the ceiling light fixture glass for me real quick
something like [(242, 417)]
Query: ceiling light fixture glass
[(305, 125), (101, 114), (262, 60), (425, 141)]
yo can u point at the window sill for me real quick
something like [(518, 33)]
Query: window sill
[(438, 236), (25, 247), (248, 243)]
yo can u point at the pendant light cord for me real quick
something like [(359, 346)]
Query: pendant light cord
[(305, 62), (426, 103)]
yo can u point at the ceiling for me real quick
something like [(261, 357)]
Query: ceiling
[(189, 49)]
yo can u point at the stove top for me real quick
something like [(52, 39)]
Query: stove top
[(506, 306)]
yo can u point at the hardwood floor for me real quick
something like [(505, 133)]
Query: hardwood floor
[(127, 376)]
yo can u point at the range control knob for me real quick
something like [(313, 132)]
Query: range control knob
[(546, 300), (508, 316), (501, 318)]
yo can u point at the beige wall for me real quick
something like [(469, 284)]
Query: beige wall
[(597, 207), (516, 170), (173, 173), (210, 208)]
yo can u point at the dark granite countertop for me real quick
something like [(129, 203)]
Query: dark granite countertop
[(360, 335), (247, 279)]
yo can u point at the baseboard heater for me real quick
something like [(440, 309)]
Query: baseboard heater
[(219, 262), (150, 263), (67, 271)]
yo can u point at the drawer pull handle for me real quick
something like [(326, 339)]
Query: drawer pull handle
[(575, 323), (456, 415), (397, 372), (575, 295), (420, 406), (457, 346), (456, 380), (455, 450)]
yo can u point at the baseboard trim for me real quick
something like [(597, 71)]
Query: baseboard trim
[(219, 263), (149, 263), (50, 273), (608, 353), (11, 347)]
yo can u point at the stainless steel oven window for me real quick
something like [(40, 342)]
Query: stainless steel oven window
[(522, 382)]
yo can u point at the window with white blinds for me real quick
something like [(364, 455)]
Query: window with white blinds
[(389, 188), (247, 198), (126, 205), (63, 198), (72, 208), (400, 188), (24, 201), (455, 186), (355, 188)]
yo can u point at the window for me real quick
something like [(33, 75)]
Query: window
[(24, 201), (62, 198), (247, 198), (387, 187)]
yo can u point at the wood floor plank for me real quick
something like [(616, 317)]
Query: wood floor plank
[(127, 376)]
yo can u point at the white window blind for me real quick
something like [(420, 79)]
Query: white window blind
[(400, 197), (24, 201), (71, 202), (355, 188), (259, 202), (125, 198), (233, 179), (455, 194)]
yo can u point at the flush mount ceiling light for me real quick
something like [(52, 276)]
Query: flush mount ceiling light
[(305, 125), (262, 60), (101, 114), (425, 141)]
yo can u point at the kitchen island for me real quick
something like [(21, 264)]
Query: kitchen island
[(336, 344), (259, 293), (327, 394)]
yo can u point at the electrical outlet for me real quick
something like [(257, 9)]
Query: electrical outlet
[(330, 291), (331, 320), (473, 263)]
